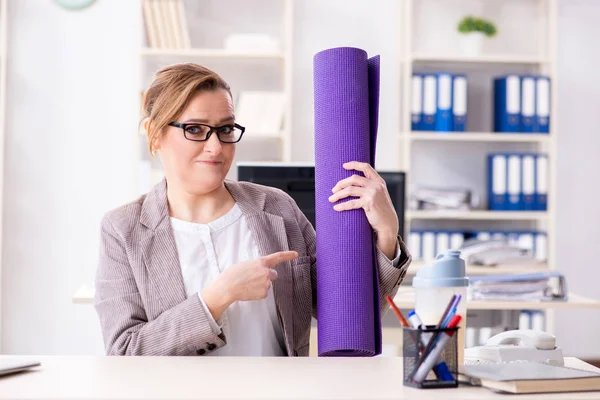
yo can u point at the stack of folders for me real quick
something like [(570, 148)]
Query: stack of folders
[(522, 104), (439, 102), (539, 286), (488, 248), (518, 181), (437, 198), (531, 377)]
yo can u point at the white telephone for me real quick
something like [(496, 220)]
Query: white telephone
[(517, 345)]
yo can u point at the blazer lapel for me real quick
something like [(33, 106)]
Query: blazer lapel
[(268, 231), (159, 249)]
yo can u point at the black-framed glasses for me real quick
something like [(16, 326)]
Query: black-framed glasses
[(201, 132)]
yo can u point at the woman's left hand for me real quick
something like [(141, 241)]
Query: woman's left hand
[(373, 197)]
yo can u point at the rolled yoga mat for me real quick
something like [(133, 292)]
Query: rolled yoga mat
[(346, 87)]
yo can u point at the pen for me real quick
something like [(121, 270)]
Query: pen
[(440, 368), (436, 352), (434, 336), (452, 311), (397, 311)]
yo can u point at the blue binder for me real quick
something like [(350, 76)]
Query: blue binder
[(416, 112), (541, 182), (507, 104), (443, 117), (429, 102), (497, 182), (542, 109), (459, 103), (528, 173), (528, 114), (514, 186)]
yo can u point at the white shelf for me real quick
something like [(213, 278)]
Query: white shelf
[(485, 59), (405, 299), (476, 137), (208, 53), (477, 215), (473, 270)]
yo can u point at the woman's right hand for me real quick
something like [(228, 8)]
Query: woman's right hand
[(248, 280)]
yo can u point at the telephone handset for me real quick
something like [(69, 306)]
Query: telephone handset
[(517, 345)]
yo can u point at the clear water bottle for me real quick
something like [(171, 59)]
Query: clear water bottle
[(435, 284)]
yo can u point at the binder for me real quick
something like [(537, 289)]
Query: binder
[(459, 103), (429, 102), (528, 115), (528, 164), (542, 109), (414, 243), (507, 104), (538, 321), (541, 182), (498, 236), (515, 194), (483, 236), (456, 240), (444, 115), (541, 246), (512, 238), (428, 246), (526, 242), (416, 112), (497, 178), (525, 320), (442, 242)]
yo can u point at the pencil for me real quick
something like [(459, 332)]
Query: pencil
[(397, 311)]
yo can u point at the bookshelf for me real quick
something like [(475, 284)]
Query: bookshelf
[(3, 89), (253, 53), (460, 157)]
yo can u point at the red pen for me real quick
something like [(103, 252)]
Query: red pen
[(397, 311)]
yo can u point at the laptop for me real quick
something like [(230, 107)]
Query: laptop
[(10, 365)]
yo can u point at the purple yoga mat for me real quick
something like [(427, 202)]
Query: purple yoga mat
[(346, 85)]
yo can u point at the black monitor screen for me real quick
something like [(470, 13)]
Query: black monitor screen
[(299, 182)]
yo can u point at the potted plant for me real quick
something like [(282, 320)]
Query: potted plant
[(473, 32)]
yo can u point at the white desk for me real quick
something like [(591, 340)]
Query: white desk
[(231, 378), (405, 299)]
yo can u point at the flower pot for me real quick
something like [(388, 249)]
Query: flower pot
[(471, 44)]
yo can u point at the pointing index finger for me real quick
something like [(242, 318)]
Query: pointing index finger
[(273, 259)]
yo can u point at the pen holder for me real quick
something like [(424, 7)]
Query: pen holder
[(438, 368)]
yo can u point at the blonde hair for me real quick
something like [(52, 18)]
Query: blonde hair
[(170, 92)]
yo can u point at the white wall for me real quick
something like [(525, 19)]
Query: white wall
[(578, 219), (67, 164), (71, 125)]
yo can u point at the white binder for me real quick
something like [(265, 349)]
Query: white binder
[(428, 243), (456, 240), (429, 102), (442, 242), (414, 244)]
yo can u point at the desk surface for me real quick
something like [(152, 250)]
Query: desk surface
[(230, 378), (405, 299)]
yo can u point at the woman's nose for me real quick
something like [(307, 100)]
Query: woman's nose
[(213, 144)]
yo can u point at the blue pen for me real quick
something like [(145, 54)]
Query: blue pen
[(452, 312), (440, 369)]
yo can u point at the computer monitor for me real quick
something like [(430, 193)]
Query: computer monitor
[(298, 180)]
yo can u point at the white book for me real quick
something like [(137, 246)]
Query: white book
[(183, 25), (150, 24)]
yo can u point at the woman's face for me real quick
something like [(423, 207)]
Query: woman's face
[(199, 167)]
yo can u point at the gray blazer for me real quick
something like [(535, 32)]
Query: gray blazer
[(140, 296)]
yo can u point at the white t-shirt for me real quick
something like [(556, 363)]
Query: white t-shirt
[(205, 250)]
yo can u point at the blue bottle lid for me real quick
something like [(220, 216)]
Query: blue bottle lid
[(448, 270)]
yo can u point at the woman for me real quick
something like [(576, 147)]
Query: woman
[(187, 268)]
